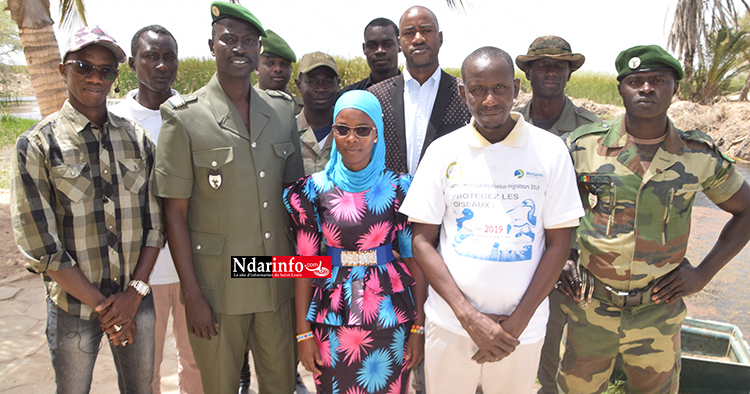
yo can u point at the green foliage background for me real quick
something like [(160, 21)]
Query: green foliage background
[(9, 43), (193, 73)]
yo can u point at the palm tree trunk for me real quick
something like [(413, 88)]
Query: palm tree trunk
[(42, 57), (745, 89)]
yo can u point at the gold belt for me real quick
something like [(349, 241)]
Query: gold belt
[(359, 258)]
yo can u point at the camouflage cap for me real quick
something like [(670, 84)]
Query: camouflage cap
[(221, 10), (90, 35), (273, 45), (552, 47), (645, 58), (311, 61)]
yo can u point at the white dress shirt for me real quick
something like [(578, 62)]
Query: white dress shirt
[(418, 104)]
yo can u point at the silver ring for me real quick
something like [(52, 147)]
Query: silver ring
[(125, 342), (118, 327)]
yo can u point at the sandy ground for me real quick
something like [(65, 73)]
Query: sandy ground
[(723, 299)]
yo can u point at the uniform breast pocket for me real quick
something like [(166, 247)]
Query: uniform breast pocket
[(598, 193), (133, 174), (283, 150), (677, 211), (73, 181), (215, 169)]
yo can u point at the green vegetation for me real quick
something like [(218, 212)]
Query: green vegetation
[(595, 86), (9, 43), (724, 62), (11, 127), (194, 73)]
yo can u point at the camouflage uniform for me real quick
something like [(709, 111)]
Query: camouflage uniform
[(314, 158), (634, 232), (570, 118)]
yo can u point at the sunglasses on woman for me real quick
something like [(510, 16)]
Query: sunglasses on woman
[(85, 68), (360, 131)]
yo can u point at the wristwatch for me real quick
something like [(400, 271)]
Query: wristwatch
[(140, 286)]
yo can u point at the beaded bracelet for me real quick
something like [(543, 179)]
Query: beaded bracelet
[(302, 337), (417, 329)]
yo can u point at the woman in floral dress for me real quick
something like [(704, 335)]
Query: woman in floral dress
[(360, 331)]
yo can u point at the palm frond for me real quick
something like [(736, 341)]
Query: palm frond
[(455, 4), (70, 10)]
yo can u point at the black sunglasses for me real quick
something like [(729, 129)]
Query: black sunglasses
[(360, 131), (83, 67)]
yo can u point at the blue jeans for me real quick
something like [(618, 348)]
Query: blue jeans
[(74, 344)]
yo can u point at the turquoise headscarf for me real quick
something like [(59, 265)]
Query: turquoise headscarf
[(335, 171)]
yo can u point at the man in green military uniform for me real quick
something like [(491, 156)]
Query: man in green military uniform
[(548, 64), (224, 154), (318, 84), (275, 67), (638, 177)]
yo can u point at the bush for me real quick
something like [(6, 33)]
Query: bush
[(11, 127), (194, 73)]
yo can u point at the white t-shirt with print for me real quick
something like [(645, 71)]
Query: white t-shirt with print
[(493, 202)]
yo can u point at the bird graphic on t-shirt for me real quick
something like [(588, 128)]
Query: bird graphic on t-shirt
[(468, 215), (522, 214)]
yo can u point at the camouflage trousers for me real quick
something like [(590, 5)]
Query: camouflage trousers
[(647, 337)]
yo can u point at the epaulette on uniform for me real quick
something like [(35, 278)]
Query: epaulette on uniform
[(178, 101), (591, 128), (279, 93), (697, 135), (583, 112)]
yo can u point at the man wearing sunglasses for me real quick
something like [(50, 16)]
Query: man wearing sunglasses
[(224, 155), (85, 218), (318, 84)]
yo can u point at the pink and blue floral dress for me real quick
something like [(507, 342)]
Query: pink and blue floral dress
[(361, 316)]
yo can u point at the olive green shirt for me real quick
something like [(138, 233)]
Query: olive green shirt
[(314, 157), (571, 117), (234, 179)]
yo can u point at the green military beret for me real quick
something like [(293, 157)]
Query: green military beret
[(273, 45), (644, 58), (221, 10)]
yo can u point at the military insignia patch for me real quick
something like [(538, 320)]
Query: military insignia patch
[(593, 200), (215, 10), (214, 179), (634, 62)]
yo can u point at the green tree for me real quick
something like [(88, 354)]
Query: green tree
[(9, 40), (723, 59), (744, 24), (9, 43), (40, 47), (694, 20)]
